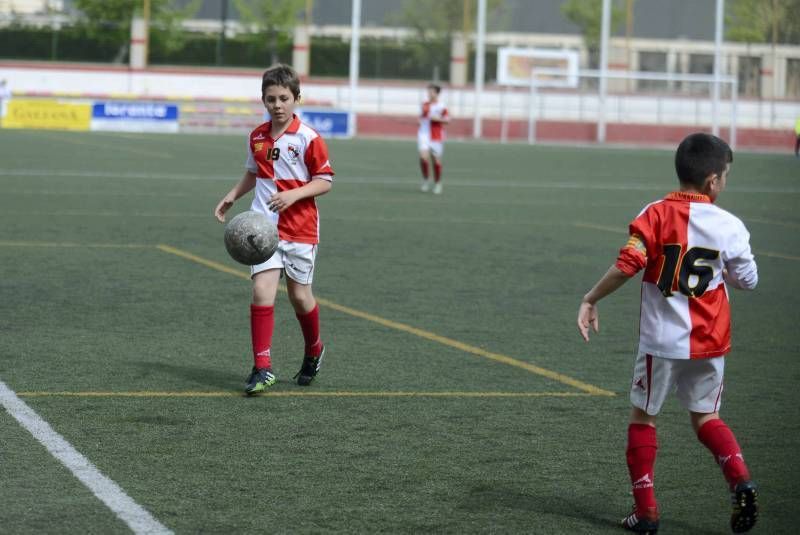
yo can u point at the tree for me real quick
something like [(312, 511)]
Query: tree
[(269, 18), (763, 21), (435, 22), (587, 15), (109, 21)]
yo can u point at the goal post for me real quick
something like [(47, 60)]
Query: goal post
[(661, 99)]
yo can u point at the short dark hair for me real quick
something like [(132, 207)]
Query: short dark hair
[(700, 155), (435, 87), (282, 75)]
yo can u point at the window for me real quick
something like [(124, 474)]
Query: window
[(652, 62), (793, 78), (749, 76)]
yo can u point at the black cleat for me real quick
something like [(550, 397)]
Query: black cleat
[(259, 381), (308, 371), (745, 507), (647, 524)]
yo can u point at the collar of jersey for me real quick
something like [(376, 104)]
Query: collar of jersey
[(687, 196), (294, 126)]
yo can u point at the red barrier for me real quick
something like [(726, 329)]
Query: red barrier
[(576, 132)]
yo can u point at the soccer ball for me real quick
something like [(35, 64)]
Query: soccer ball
[(251, 238)]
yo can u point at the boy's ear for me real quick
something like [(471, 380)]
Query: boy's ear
[(708, 181)]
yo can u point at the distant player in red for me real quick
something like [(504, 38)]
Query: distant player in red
[(690, 251), (287, 165), (430, 138)]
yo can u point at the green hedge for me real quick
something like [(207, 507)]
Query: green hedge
[(329, 56)]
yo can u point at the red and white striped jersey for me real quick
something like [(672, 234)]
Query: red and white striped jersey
[(286, 163), (430, 124), (689, 249)]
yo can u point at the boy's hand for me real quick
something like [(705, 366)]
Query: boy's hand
[(587, 315), (281, 201), (223, 206)]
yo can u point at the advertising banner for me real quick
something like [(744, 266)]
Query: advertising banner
[(134, 116), (557, 68), (328, 122), (47, 114)]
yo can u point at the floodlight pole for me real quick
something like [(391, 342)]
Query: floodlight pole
[(479, 67), (605, 30), (355, 27), (720, 12)]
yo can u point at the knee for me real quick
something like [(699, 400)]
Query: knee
[(263, 293), (302, 298)]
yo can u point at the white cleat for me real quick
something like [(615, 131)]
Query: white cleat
[(426, 186), (437, 188)]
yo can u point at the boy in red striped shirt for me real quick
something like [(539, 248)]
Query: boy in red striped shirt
[(690, 251), (288, 166)]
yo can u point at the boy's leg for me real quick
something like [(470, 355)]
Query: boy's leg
[(641, 457), (721, 442), (436, 152), (423, 165), (299, 276), (262, 324), (652, 382), (699, 388), (424, 158), (307, 312)]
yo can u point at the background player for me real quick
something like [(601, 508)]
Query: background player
[(430, 138), (690, 249), (287, 164)]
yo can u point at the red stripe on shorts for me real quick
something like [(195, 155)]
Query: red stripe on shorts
[(649, 379)]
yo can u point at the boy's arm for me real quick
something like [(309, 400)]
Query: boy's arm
[(587, 312), (319, 185), (244, 186), (741, 270)]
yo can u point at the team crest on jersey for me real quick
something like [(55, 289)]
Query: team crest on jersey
[(294, 153), (258, 146)]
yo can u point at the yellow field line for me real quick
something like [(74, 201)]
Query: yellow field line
[(9, 243), (777, 255), (203, 261), (306, 393), (497, 357), (615, 230)]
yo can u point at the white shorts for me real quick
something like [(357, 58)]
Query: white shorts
[(295, 259), (435, 147), (697, 382)]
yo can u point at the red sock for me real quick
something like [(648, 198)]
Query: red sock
[(423, 164), (437, 171), (309, 324), (719, 439), (641, 454), (262, 322)]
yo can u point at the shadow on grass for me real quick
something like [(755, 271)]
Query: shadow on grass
[(585, 510), (210, 377)]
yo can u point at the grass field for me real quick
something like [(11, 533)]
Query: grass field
[(456, 397)]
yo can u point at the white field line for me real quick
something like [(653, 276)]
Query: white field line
[(108, 492), (566, 183)]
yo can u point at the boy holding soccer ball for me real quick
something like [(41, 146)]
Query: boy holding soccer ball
[(690, 251), (287, 165)]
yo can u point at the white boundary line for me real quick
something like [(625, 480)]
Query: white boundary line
[(564, 184), (108, 492)]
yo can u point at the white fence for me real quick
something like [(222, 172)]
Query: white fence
[(666, 108)]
